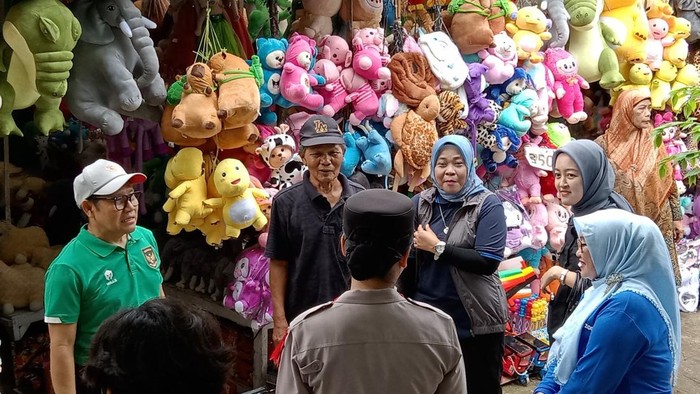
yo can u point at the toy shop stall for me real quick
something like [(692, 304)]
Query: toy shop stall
[(196, 94)]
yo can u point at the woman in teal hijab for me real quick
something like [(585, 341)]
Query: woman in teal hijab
[(459, 241), (624, 336)]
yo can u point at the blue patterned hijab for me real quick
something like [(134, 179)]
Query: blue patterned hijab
[(473, 184), (629, 254)]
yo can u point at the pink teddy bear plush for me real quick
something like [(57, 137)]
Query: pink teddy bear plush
[(333, 91), (567, 84), (527, 177), (363, 98), (295, 82), (335, 49), (370, 57), (501, 58)]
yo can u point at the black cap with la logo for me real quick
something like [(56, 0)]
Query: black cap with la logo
[(321, 130)]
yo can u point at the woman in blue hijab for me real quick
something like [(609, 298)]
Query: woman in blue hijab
[(585, 180), (459, 241), (624, 336)]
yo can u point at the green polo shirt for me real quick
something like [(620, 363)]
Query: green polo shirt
[(92, 279)]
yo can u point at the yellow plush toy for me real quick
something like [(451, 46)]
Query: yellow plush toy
[(687, 76), (529, 31), (214, 228), (677, 53), (661, 85), (627, 24), (184, 175), (240, 209), (640, 76)]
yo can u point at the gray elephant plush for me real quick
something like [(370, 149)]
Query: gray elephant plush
[(115, 69), (690, 10)]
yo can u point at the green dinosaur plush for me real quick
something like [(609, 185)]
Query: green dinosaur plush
[(259, 19), (38, 37)]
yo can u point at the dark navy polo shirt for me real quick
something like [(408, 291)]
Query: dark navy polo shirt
[(305, 231)]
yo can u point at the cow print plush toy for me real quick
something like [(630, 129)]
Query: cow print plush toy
[(279, 152)]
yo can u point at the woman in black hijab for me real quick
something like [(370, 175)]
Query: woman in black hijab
[(585, 180)]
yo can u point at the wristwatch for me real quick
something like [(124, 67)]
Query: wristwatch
[(562, 277), (439, 249)]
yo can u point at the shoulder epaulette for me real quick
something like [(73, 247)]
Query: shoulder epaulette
[(310, 312), (427, 306)]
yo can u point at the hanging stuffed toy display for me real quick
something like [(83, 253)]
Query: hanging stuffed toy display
[(115, 70), (38, 36)]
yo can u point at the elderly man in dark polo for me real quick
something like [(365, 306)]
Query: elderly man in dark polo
[(306, 265)]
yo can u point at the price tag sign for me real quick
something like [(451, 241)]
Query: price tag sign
[(539, 157)]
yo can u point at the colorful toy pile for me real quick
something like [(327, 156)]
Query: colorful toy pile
[(231, 93)]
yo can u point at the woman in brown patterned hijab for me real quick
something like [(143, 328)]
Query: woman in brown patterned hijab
[(629, 146)]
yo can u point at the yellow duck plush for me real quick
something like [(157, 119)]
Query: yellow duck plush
[(640, 76), (677, 53), (661, 85), (687, 76), (529, 31), (184, 175), (240, 208)]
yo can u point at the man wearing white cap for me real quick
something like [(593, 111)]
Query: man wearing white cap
[(112, 264)]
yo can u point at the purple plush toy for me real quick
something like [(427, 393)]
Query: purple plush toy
[(249, 293)]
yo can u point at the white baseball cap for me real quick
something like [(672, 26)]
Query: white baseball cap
[(102, 178)]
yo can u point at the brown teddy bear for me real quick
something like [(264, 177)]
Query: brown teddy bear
[(472, 24), (21, 286), (196, 116), (26, 245), (239, 94)]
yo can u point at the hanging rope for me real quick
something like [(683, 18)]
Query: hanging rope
[(274, 22), (209, 43), (397, 30), (438, 22)]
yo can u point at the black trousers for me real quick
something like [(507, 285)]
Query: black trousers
[(483, 356)]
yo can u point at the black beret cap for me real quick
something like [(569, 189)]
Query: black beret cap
[(378, 216)]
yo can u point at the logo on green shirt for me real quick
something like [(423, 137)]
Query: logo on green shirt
[(109, 276), (150, 256)]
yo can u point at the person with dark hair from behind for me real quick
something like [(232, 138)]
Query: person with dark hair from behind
[(162, 346), (371, 339)]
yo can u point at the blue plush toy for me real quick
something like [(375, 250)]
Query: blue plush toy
[(271, 53), (514, 85), (376, 152), (506, 144), (352, 154), (516, 115)]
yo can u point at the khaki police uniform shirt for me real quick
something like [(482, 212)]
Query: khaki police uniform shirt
[(372, 341)]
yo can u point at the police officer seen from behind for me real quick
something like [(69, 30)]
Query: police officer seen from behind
[(371, 339)]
